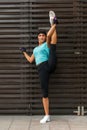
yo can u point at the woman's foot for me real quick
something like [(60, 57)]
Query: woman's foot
[(45, 119), (51, 15), (53, 18)]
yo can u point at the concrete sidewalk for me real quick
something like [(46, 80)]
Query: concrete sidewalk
[(32, 123)]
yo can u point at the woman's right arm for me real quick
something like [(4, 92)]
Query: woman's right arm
[(29, 58)]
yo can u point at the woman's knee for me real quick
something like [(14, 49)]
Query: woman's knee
[(45, 95)]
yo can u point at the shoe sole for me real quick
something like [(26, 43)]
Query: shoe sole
[(45, 121), (48, 120), (52, 14)]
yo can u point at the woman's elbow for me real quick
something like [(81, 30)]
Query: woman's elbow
[(31, 61)]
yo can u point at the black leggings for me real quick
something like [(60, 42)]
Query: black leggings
[(46, 68)]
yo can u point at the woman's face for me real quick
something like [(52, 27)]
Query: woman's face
[(41, 38)]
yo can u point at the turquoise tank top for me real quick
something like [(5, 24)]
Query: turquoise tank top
[(41, 53)]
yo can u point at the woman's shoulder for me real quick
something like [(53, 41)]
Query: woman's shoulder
[(35, 48)]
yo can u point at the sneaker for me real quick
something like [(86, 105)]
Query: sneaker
[(45, 119), (51, 15)]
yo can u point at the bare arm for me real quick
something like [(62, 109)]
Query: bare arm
[(29, 58), (50, 35)]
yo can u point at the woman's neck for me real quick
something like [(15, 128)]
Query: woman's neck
[(41, 43)]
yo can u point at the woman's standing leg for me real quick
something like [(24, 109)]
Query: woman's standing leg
[(46, 109), (44, 81), (46, 105)]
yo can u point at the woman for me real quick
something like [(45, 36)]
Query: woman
[(45, 57)]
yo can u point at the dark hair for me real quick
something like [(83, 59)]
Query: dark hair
[(42, 31)]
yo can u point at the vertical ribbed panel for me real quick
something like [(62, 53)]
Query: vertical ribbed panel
[(14, 33)]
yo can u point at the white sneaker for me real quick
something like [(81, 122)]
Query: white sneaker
[(51, 15), (45, 119)]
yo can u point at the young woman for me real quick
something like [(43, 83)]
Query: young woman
[(45, 57)]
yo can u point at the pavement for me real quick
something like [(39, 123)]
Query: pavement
[(32, 123)]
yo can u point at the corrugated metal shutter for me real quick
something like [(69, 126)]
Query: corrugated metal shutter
[(19, 84), (14, 69), (82, 5)]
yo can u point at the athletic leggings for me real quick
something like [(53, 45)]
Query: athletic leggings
[(45, 69)]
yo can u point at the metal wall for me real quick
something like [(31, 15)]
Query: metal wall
[(20, 91), (14, 70)]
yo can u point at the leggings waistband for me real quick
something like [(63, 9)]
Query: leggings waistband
[(41, 63)]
